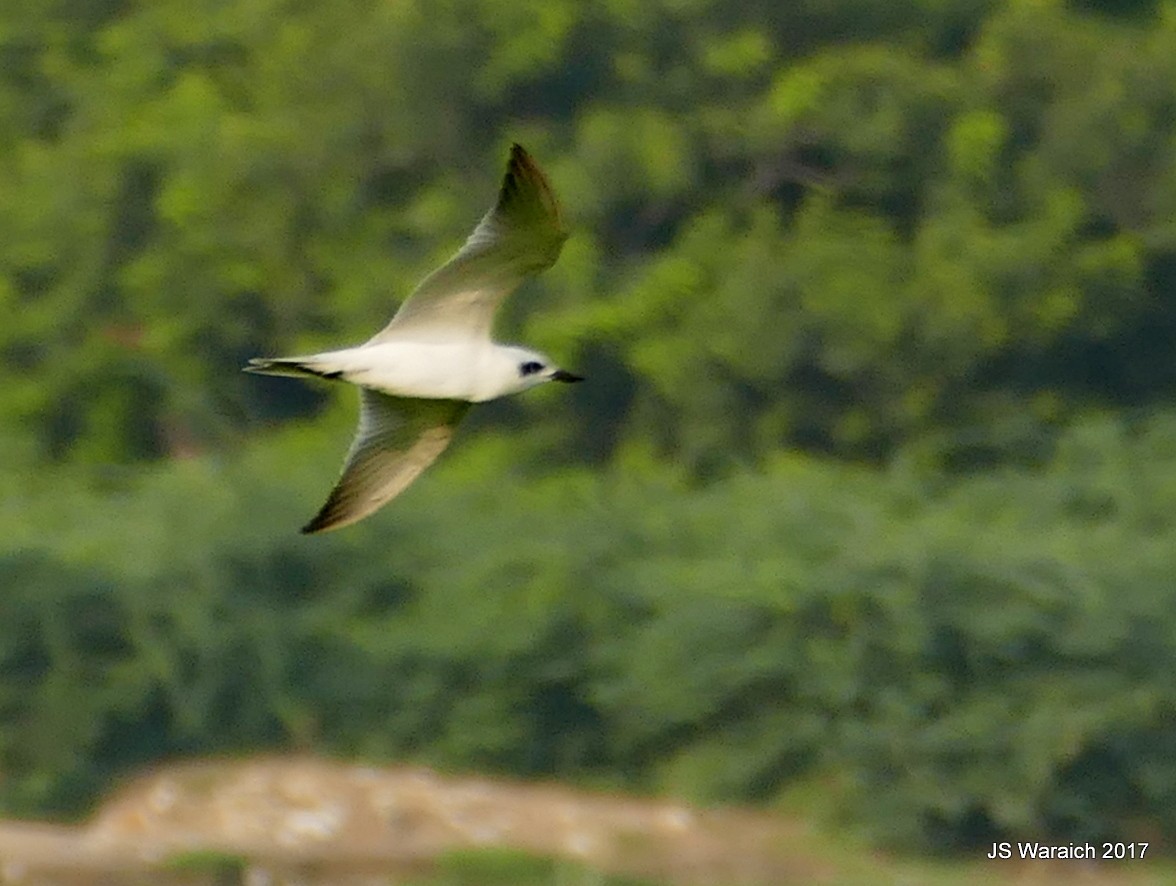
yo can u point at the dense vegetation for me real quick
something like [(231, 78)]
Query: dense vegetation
[(873, 486)]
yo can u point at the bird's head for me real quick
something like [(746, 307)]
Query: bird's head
[(530, 368)]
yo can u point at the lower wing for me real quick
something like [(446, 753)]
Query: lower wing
[(396, 440)]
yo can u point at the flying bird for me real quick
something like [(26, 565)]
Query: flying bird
[(419, 375)]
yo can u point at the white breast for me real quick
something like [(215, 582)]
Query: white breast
[(414, 369)]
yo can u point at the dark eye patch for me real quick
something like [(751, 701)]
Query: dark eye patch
[(530, 367)]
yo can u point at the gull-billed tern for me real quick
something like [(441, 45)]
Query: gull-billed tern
[(419, 375)]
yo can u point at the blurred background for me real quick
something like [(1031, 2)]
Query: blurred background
[(867, 510)]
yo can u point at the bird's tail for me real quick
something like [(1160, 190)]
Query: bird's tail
[(299, 367)]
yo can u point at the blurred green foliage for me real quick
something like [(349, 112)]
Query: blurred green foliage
[(872, 485), (504, 868)]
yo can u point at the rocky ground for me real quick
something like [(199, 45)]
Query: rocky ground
[(280, 822)]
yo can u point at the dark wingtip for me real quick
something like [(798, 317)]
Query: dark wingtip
[(328, 517), (520, 166), (317, 524), (526, 189)]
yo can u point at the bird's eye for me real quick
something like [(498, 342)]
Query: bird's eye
[(530, 367)]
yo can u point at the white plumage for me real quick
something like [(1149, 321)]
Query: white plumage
[(418, 375)]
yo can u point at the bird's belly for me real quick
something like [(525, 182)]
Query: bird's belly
[(430, 371)]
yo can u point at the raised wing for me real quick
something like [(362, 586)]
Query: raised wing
[(520, 236), (397, 439)]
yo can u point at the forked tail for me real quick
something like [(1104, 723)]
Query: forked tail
[(298, 367)]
